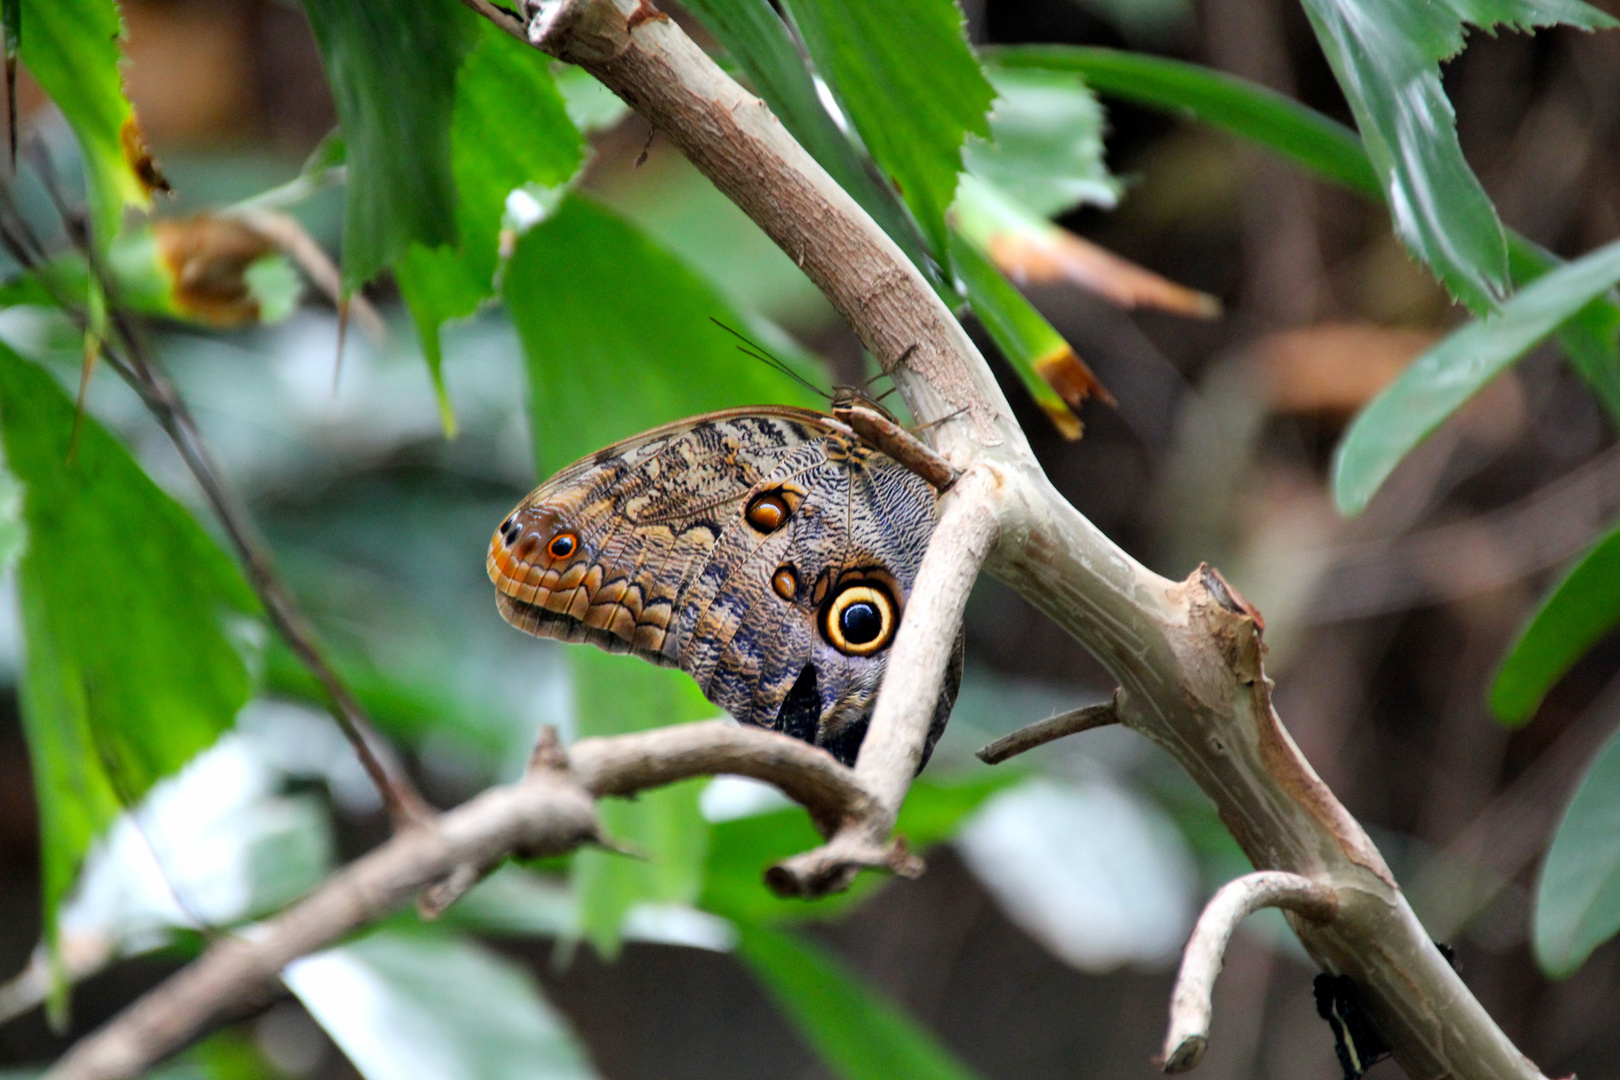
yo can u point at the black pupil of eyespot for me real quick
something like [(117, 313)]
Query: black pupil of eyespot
[(563, 545), (860, 622)]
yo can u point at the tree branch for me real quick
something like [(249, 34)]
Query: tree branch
[(1190, 1002), (1187, 655), (550, 811)]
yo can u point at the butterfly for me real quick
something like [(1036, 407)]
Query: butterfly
[(767, 551)]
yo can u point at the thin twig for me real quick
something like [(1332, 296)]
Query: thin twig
[(1044, 731), (1191, 1001)]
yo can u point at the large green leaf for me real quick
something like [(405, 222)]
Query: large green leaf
[(613, 695), (1386, 55), (509, 128), (760, 43), (860, 1034), (134, 622), (1453, 371), (1046, 142), (741, 850), (1578, 895), (393, 69), (619, 337), (71, 49), (404, 1005), (905, 77), (1579, 611)]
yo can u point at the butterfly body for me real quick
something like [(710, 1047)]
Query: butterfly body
[(768, 552)]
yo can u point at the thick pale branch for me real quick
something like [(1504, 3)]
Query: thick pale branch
[(549, 812), (1190, 1003)]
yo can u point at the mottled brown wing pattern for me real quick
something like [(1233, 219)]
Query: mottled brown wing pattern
[(767, 552)]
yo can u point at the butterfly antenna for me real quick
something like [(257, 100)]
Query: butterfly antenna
[(758, 352)]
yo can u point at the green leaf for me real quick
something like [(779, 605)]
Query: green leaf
[(1578, 894), (740, 850), (1318, 144), (1580, 610), (905, 77), (860, 1034), (1442, 379), (613, 695), (1591, 340), (509, 128), (619, 337), (756, 37), (1386, 55), (1035, 350), (71, 49), (393, 69), (1046, 142), (133, 621), (406, 1005), (1245, 109)]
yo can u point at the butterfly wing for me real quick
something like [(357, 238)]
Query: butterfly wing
[(767, 552)]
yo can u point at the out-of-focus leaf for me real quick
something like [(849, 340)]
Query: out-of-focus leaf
[(758, 39), (515, 901), (208, 269), (1579, 610), (1446, 376), (1386, 55), (614, 695), (71, 49), (1591, 340), (591, 106), (740, 850), (392, 68), (509, 128), (216, 844), (1098, 876), (132, 670), (1317, 143), (1031, 250), (619, 339), (1046, 142), (1142, 21), (1578, 894), (859, 1033), (1055, 377), (1280, 124), (409, 1005), (905, 77)]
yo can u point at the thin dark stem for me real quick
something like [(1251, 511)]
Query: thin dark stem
[(126, 353)]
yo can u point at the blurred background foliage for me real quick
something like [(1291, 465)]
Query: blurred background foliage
[(1311, 260)]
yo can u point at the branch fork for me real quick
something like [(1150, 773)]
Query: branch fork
[(1186, 655)]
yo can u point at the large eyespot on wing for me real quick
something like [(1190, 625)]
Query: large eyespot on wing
[(860, 617)]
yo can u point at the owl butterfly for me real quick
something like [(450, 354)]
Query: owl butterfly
[(768, 552)]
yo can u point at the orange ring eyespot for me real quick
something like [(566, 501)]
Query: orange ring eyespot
[(860, 619), (562, 545), (767, 512), (785, 582)]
